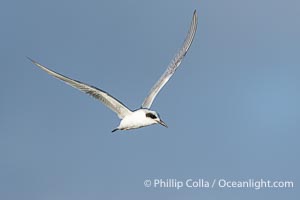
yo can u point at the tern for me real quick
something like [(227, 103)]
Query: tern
[(132, 119)]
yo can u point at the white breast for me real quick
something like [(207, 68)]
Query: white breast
[(136, 119)]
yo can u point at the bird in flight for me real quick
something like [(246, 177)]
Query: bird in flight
[(132, 119)]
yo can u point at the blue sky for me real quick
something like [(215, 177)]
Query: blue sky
[(232, 107)]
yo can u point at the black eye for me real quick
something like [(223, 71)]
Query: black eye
[(151, 115)]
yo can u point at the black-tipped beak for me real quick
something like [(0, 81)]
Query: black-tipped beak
[(161, 122)]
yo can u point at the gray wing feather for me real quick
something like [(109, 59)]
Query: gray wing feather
[(173, 65), (111, 102)]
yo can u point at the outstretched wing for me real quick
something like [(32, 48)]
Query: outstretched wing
[(173, 65), (108, 100)]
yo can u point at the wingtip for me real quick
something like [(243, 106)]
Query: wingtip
[(29, 58), (195, 14), (33, 61)]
